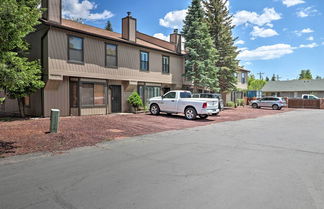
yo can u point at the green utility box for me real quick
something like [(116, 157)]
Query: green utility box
[(55, 114)]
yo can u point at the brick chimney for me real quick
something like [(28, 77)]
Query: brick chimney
[(129, 25), (53, 11), (175, 38)]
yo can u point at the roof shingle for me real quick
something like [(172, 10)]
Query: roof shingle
[(294, 85)]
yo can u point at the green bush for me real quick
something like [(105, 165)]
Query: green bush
[(2, 99), (135, 100), (240, 102), (230, 104)]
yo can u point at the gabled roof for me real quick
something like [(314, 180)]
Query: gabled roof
[(142, 40), (242, 69), (294, 85)]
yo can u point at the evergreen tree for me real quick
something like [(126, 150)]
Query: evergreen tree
[(305, 75), (318, 77), (267, 79), (273, 77), (201, 55), (19, 77), (109, 26), (220, 27)]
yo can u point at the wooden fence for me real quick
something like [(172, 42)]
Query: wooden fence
[(304, 103)]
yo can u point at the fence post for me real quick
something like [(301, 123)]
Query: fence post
[(55, 114)]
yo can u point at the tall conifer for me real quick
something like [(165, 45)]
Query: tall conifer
[(220, 27), (201, 55)]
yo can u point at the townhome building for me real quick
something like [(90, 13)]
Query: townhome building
[(89, 70), (241, 86)]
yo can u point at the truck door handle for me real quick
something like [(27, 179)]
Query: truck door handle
[(172, 100)]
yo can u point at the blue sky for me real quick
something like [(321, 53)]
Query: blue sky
[(275, 36)]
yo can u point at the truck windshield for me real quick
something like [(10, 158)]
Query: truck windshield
[(185, 95)]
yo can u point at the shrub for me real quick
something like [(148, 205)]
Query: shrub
[(135, 100), (230, 104), (2, 99), (240, 102)]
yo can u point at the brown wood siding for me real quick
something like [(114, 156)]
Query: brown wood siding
[(93, 111), (56, 96), (94, 66), (132, 31), (54, 10)]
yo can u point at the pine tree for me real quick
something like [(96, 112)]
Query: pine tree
[(201, 55), (19, 77), (109, 26), (267, 79), (273, 77), (220, 27), (305, 75)]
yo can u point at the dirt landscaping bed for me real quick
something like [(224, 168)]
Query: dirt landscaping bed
[(28, 136)]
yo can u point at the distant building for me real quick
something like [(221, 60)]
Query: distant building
[(294, 88), (241, 85)]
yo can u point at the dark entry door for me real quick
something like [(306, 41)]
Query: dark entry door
[(115, 99)]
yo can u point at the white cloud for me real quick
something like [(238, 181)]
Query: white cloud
[(266, 52), (263, 32), (322, 43), (74, 9), (311, 38), (246, 17), (290, 3), (312, 45), (305, 12), (162, 36), (174, 19), (305, 30), (239, 42)]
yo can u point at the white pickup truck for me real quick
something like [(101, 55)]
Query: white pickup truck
[(182, 102), (309, 96)]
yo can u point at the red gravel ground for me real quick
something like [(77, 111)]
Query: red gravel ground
[(28, 136)]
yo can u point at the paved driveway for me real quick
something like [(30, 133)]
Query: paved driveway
[(274, 162)]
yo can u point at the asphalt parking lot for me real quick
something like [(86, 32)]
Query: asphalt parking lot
[(275, 161)]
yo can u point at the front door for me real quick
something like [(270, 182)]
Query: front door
[(115, 98)]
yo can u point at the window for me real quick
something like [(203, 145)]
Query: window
[(99, 94), (92, 94), (74, 94), (75, 51), (148, 92), (111, 55), (185, 95), (243, 78), (165, 64), (170, 95), (144, 61)]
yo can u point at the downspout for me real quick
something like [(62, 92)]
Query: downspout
[(42, 65)]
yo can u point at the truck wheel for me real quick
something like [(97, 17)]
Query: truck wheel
[(275, 107), (254, 105), (203, 116), (190, 113), (154, 109)]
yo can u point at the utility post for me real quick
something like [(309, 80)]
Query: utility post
[(260, 74)]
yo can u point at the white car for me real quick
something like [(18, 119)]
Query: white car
[(182, 102)]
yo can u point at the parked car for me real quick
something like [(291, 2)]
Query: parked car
[(309, 96), (211, 95), (182, 102), (276, 103)]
